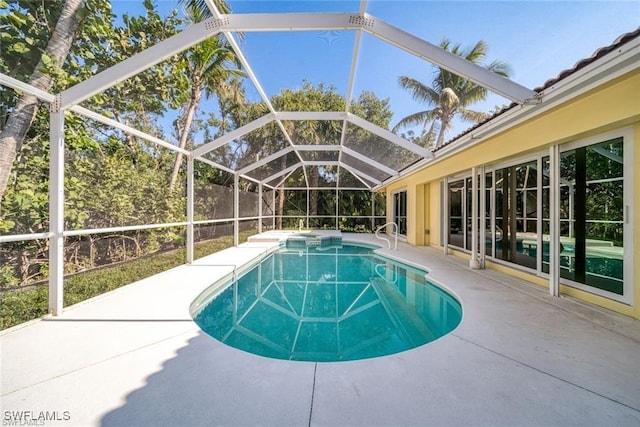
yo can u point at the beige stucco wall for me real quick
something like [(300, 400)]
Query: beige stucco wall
[(636, 218)]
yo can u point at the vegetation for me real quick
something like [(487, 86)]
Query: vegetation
[(449, 96), (31, 303), (212, 66), (113, 178), (39, 63)]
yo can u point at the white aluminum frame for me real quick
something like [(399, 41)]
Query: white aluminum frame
[(69, 100), (627, 134), (227, 24), (190, 210), (56, 210), (483, 209), (554, 220), (474, 262)]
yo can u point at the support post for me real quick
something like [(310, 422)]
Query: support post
[(373, 211), (492, 209), (554, 223), (539, 214), (273, 209), (260, 207), (445, 215), (482, 227), (473, 262), (56, 210), (236, 209), (190, 193), (337, 209), (308, 205)]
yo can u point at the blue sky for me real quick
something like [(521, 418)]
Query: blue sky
[(538, 39)]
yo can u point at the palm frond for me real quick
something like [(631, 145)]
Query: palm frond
[(450, 94), (477, 53), (501, 68), (414, 119), (199, 10), (472, 115), (419, 91)]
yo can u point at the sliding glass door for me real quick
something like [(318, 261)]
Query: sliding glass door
[(400, 211), (592, 215), (516, 222), (595, 229), (457, 209)]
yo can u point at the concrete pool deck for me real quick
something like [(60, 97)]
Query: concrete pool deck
[(135, 357)]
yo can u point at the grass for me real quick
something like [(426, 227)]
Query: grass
[(20, 306)]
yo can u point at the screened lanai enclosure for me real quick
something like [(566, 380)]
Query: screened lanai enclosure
[(171, 134)]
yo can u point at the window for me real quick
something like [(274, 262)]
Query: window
[(460, 210), (400, 211), (489, 218), (595, 200), (592, 215), (546, 214), (456, 218), (516, 201)]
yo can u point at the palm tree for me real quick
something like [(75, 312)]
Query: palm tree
[(203, 9), (449, 95), (211, 66)]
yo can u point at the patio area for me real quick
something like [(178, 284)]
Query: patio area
[(135, 357)]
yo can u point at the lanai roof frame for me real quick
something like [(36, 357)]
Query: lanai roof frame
[(360, 21)]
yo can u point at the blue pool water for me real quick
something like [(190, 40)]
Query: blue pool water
[(328, 304)]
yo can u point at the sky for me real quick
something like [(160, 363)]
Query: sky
[(537, 39)]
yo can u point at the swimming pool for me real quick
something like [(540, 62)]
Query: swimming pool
[(327, 303)]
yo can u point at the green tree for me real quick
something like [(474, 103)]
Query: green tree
[(124, 177), (311, 132), (111, 178), (373, 109), (269, 139), (448, 96), (57, 48), (32, 30)]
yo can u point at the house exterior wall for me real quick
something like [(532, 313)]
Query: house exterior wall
[(636, 217), (609, 107)]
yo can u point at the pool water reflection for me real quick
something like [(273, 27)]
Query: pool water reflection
[(329, 304)]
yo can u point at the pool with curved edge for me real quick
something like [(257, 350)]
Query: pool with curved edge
[(330, 303)]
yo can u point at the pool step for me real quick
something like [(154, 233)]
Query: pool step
[(298, 241)]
